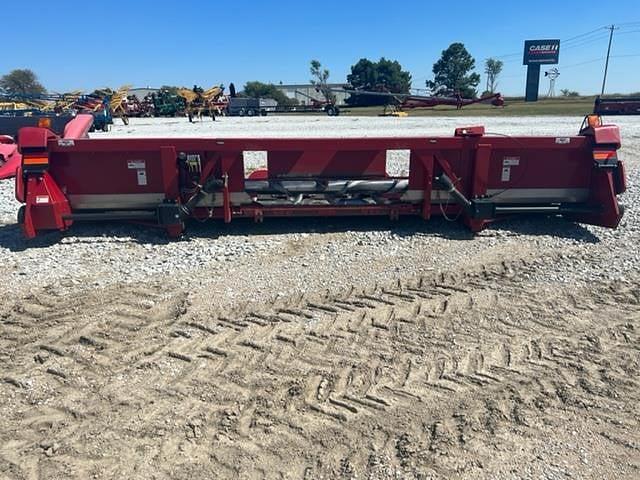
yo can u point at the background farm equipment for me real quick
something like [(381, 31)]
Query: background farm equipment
[(166, 182), (327, 106), (98, 106), (203, 102), (139, 108), (617, 106), (167, 103), (102, 104), (401, 102), (50, 103), (11, 124)]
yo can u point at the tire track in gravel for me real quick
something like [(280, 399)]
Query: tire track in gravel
[(434, 375)]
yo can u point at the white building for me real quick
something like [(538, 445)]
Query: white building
[(302, 92)]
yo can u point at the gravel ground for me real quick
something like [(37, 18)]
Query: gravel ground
[(316, 348)]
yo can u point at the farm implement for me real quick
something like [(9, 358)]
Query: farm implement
[(165, 182), (399, 102), (617, 106), (199, 101), (103, 105), (327, 106)]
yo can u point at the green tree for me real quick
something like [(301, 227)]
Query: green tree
[(452, 73), (492, 68), (381, 76), (257, 89), (569, 93), (21, 82), (320, 78)]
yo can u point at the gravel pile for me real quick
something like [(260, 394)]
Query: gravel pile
[(315, 254)]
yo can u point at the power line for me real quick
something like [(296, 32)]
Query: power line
[(586, 42), (594, 60), (583, 34), (508, 55), (593, 36)]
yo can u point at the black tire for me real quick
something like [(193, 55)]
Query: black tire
[(21, 214), (263, 113), (251, 112), (241, 112), (330, 110)]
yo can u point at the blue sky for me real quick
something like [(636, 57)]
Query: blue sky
[(84, 45)]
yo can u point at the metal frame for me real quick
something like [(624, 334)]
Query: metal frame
[(167, 181)]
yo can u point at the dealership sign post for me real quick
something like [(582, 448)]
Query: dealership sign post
[(536, 53)]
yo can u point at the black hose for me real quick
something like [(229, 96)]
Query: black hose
[(446, 182)]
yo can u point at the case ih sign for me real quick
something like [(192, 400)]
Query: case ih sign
[(540, 52)]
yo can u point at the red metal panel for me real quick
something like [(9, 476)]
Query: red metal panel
[(244, 144), (481, 170), (45, 207), (428, 163), (169, 173), (607, 134), (544, 164), (78, 127), (34, 138), (104, 172), (11, 158), (99, 166)]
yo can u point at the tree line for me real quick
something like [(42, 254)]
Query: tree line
[(453, 74)]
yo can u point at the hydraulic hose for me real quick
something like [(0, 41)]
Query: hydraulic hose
[(446, 182)]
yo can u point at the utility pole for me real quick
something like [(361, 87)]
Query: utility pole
[(606, 65)]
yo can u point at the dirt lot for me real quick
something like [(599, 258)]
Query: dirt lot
[(312, 349)]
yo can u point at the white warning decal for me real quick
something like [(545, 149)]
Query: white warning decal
[(66, 142), (563, 140), (142, 177), (136, 164), (511, 161), (42, 198), (506, 174)]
